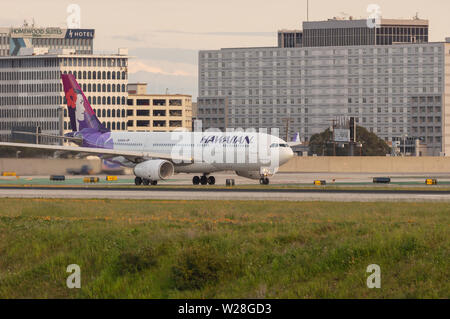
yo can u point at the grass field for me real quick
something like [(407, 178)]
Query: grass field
[(223, 249)]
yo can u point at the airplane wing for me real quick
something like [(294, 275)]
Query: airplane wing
[(134, 156)]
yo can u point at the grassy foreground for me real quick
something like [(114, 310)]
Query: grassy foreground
[(222, 249)]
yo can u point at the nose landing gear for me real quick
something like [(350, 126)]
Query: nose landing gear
[(196, 180), (264, 181)]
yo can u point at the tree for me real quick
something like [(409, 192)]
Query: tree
[(372, 145)]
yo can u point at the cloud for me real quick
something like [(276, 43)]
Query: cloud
[(220, 33), (158, 83), (176, 55), (130, 38)]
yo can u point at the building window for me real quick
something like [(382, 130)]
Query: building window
[(143, 113), (159, 102), (176, 102), (142, 123), (142, 102)]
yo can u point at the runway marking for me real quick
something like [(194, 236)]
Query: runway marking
[(224, 194), (232, 190)]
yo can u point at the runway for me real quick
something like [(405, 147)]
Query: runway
[(211, 193), (283, 186)]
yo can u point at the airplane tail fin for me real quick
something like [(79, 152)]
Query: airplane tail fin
[(81, 114)]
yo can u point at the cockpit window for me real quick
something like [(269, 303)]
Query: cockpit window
[(278, 145)]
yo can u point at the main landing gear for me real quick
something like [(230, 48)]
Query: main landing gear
[(211, 180), (264, 181), (138, 181)]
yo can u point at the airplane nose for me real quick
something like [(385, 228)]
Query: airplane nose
[(287, 155), (291, 153)]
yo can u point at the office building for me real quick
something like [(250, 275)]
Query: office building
[(290, 38), (31, 91), (157, 112), (343, 32), (392, 90)]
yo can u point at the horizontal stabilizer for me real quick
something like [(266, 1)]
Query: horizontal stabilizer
[(292, 144), (77, 140)]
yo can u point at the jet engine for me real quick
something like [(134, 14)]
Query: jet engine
[(251, 174), (154, 170)]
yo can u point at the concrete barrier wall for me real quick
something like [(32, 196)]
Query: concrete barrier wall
[(375, 164), (30, 166), (39, 166)]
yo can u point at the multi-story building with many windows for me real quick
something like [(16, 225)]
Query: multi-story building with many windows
[(157, 112), (346, 32), (31, 92), (342, 32), (290, 38), (392, 90)]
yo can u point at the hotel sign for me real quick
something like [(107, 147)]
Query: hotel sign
[(80, 34), (26, 32)]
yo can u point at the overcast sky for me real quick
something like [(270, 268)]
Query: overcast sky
[(164, 36)]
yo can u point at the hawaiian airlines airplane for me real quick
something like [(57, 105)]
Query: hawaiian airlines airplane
[(156, 156)]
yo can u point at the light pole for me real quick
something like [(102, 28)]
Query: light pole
[(61, 123)]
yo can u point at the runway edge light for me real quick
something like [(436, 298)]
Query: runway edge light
[(9, 174)]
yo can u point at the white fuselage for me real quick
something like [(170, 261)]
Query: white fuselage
[(209, 151)]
